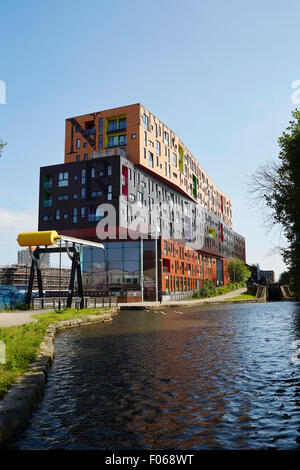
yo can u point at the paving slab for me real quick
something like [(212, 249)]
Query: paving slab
[(14, 318)]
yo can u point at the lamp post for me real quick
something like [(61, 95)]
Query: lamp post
[(59, 276), (142, 269)]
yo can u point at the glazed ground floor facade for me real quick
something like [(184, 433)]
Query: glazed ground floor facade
[(148, 269)]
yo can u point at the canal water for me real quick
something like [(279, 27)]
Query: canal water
[(213, 377)]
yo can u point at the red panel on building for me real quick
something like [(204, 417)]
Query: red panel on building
[(125, 181)]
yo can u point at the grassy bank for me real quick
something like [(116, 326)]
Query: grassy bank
[(208, 289), (22, 342), (242, 297)]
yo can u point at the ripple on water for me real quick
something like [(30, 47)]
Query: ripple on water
[(212, 378)]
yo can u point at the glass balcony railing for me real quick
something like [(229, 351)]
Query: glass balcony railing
[(90, 131), (112, 129), (110, 153)]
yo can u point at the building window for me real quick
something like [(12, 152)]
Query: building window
[(109, 170), (63, 179), (112, 141), (77, 158), (145, 121), (93, 173), (65, 216), (174, 159), (145, 138), (100, 141), (57, 214), (112, 125), (84, 145), (86, 157), (75, 215), (93, 216), (82, 212), (83, 176), (82, 193), (150, 159), (75, 196), (122, 123), (157, 146), (109, 192), (133, 136), (47, 199), (100, 124), (122, 140), (78, 143), (96, 193), (166, 138), (140, 199)]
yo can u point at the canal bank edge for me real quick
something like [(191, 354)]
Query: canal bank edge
[(17, 405)]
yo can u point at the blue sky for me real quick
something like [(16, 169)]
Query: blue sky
[(219, 73)]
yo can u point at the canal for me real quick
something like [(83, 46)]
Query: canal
[(210, 377)]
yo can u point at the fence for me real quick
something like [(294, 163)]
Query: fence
[(55, 303), (179, 295)]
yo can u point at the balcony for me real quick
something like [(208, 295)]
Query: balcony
[(90, 131), (48, 185), (116, 130), (114, 152)]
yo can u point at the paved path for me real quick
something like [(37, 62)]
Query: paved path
[(19, 317), (190, 303)]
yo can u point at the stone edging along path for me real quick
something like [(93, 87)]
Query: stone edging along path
[(18, 403)]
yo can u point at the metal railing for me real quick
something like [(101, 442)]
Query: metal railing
[(179, 295), (55, 303)]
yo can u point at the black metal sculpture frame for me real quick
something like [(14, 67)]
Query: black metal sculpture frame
[(73, 254)]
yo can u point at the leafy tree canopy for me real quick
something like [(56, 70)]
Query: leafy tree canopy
[(237, 270)]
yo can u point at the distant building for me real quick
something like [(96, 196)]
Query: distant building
[(260, 276), (269, 276), (18, 275), (25, 258)]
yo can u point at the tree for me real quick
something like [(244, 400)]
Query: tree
[(277, 185), (2, 145), (285, 278), (237, 270)]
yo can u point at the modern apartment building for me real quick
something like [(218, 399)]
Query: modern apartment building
[(130, 181)]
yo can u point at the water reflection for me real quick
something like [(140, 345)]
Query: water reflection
[(211, 378)]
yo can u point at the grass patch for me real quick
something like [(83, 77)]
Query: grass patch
[(208, 289), (22, 342), (243, 296)]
